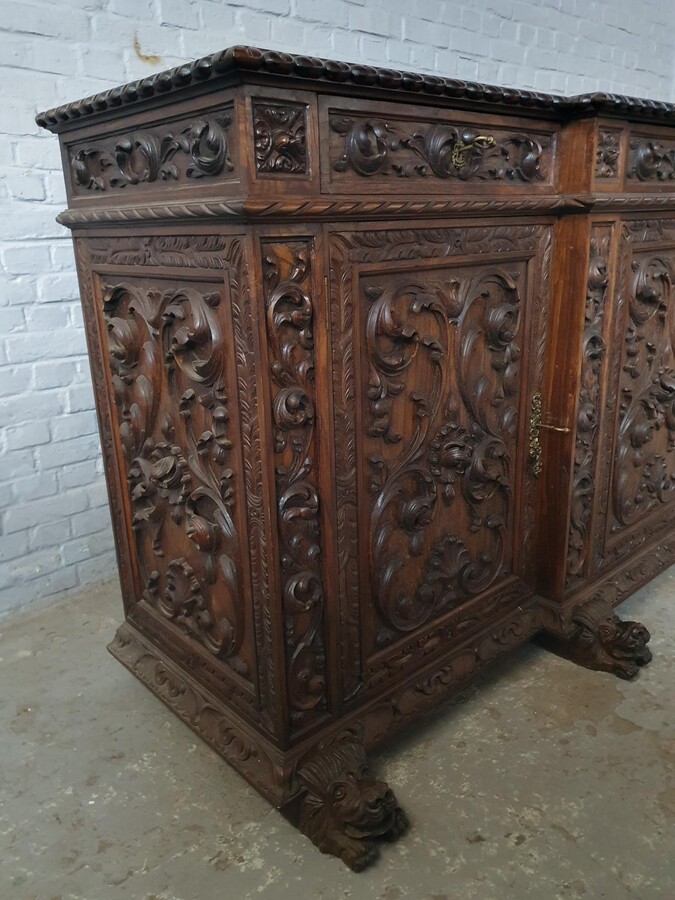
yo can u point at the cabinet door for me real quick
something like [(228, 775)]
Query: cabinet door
[(437, 350), (624, 485)]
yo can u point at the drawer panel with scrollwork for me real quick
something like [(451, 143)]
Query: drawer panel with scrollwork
[(373, 148)]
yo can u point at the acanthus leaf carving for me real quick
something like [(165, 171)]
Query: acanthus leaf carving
[(279, 131), (651, 160), (589, 404), (465, 318), (196, 151), (644, 478), (290, 323), (378, 147), (168, 344)]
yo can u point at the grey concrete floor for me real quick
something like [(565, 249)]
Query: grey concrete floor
[(543, 781)]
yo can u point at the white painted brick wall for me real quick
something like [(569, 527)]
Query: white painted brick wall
[(55, 525)]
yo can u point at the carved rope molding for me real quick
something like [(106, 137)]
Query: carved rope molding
[(377, 147), (281, 65), (196, 151)]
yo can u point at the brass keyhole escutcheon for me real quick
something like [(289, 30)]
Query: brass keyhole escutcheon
[(461, 147), (535, 427)]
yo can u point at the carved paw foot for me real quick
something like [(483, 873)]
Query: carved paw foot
[(602, 641), (344, 810)]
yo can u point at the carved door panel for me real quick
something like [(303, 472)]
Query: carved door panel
[(163, 311), (636, 493), (437, 341)]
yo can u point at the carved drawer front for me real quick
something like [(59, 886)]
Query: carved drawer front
[(182, 155), (650, 160), (170, 327), (371, 148), (438, 341)]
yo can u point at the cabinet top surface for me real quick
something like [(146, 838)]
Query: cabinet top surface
[(239, 64)]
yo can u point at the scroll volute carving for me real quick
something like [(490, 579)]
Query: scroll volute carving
[(443, 359), (380, 146), (194, 150), (644, 478), (166, 356), (289, 308), (589, 404)]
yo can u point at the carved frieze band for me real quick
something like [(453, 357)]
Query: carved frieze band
[(289, 315), (196, 149), (375, 146), (589, 403), (280, 137)]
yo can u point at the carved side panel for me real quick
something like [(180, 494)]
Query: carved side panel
[(290, 324), (429, 360), (589, 404), (181, 356)]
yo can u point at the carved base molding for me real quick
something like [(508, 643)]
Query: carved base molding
[(323, 785), (601, 641)]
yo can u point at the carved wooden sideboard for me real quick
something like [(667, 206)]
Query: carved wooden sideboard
[(385, 380)]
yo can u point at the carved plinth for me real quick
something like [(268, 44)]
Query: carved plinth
[(385, 379)]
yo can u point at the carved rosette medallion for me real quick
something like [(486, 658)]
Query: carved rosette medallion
[(279, 131), (197, 150), (290, 323), (589, 405), (381, 147), (166, 356)]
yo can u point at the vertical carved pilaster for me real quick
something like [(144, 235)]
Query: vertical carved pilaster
[(588, 409), (290, 322)]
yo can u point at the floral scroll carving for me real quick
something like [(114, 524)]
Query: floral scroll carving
[(377, 147), (457, 449), (644, 477), (199, 150), (588, 410), (168, 343), (290, 323), (607, 154), (651, 160), (280, 137)]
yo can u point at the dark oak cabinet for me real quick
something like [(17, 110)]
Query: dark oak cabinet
[(385, 375)]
